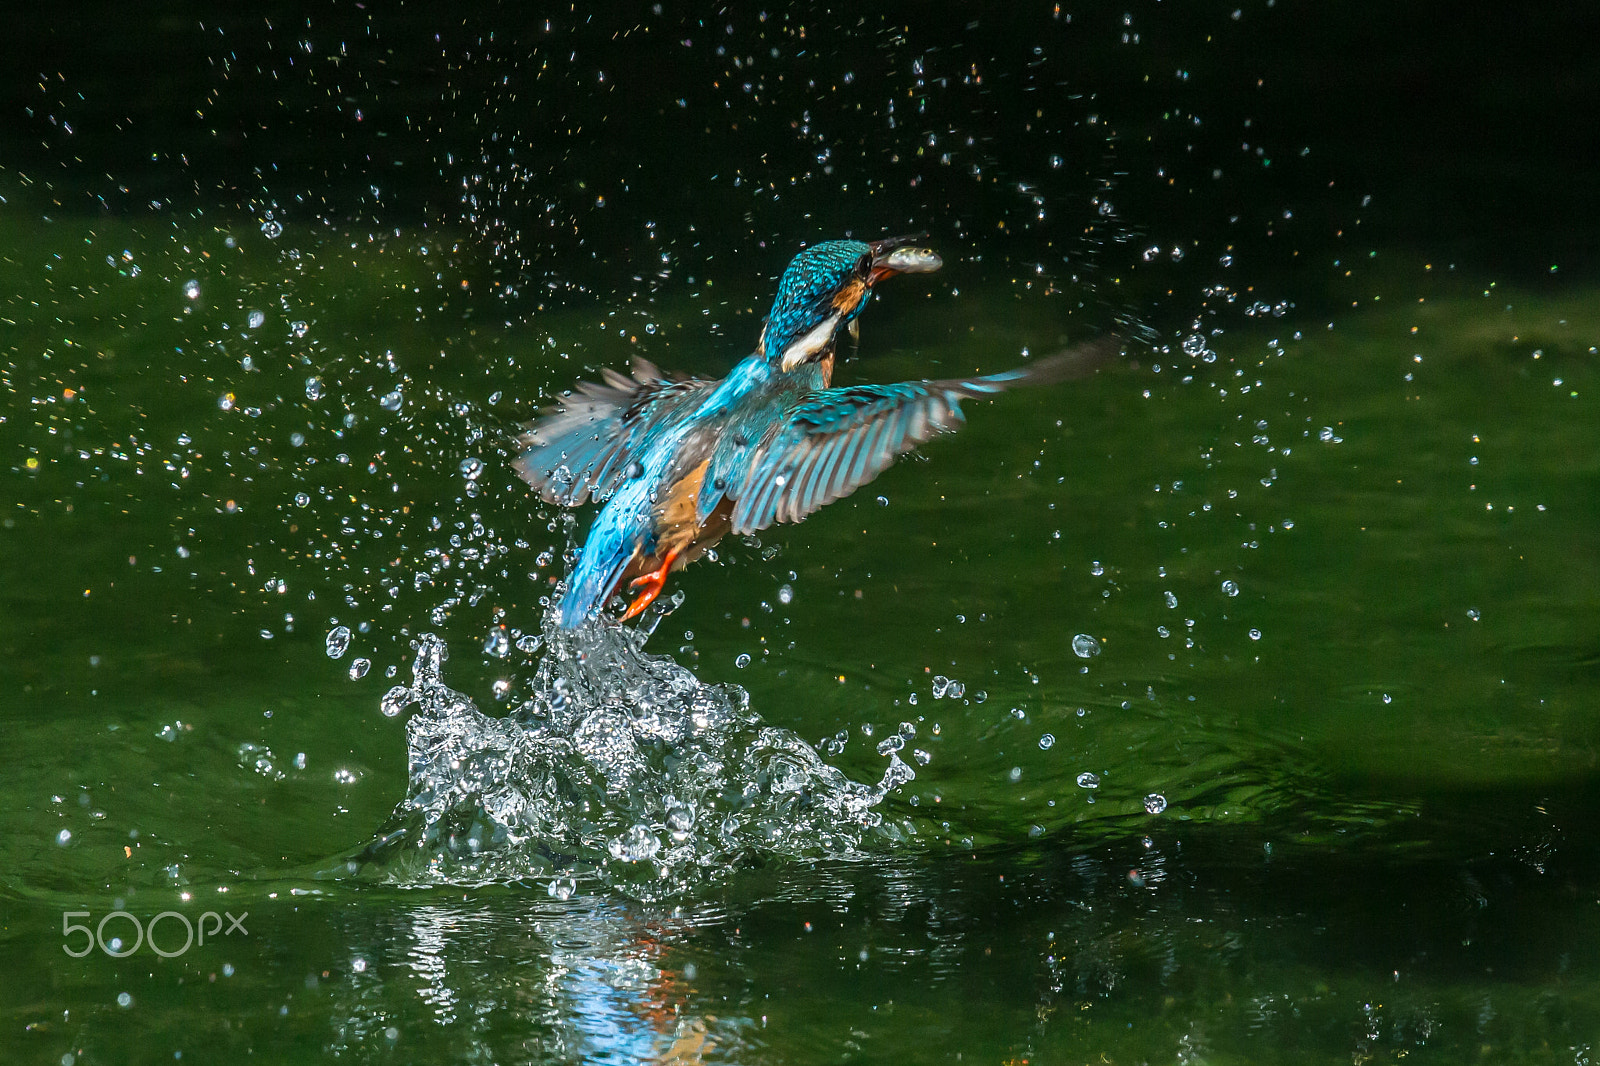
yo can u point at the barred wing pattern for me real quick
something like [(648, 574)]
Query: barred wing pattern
[(843, 438), (583, 446)]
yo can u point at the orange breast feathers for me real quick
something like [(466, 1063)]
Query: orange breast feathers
[(678, 525)]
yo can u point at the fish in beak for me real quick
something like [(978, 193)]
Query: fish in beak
[(902, 255)]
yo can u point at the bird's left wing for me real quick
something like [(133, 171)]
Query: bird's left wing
[(582, 447), (842, 438)]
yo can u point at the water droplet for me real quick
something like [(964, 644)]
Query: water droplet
[(313, 388), (636, 845), (1230, 588), (64, 837), (742, 661), (1171, 598), (338, 641), (1088, 780), (941, 685), (271, 229), (359, 668), (257, 319), (392, 401), (680, 820), (1472, 613), (301, 499), (1085, 647), (1016, 773), (191, 289), (396, 700), (1047, 742), (1255, 634), (1155, 803), (786, 594), (471, 467), (298, 328)]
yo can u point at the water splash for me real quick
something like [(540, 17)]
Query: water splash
[(623, 768)]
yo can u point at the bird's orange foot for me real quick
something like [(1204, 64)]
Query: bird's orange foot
[(652, 583)]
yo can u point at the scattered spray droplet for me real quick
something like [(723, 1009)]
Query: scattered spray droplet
[(396, 700)]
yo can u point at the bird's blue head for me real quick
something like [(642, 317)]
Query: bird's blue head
[(826, 286)]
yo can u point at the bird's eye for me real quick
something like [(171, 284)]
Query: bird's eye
[(864, 264)]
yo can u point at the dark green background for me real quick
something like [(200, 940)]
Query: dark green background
[(1378, 757)]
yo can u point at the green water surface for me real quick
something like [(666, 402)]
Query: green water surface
[(1275, 729)]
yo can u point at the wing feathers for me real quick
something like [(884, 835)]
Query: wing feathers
[(584, 444), (842, 438)]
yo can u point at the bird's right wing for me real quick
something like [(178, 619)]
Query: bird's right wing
[(583, 446), (842, 438)]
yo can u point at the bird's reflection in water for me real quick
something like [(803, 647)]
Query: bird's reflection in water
[(587, 980)]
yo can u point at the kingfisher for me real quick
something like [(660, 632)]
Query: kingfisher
[(682, 461)]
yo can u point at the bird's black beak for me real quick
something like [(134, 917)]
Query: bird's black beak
[(902, 255)]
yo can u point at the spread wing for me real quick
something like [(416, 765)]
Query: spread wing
[(840, 439), (583, 446)]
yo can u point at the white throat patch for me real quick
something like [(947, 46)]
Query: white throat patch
[(809, 345)]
